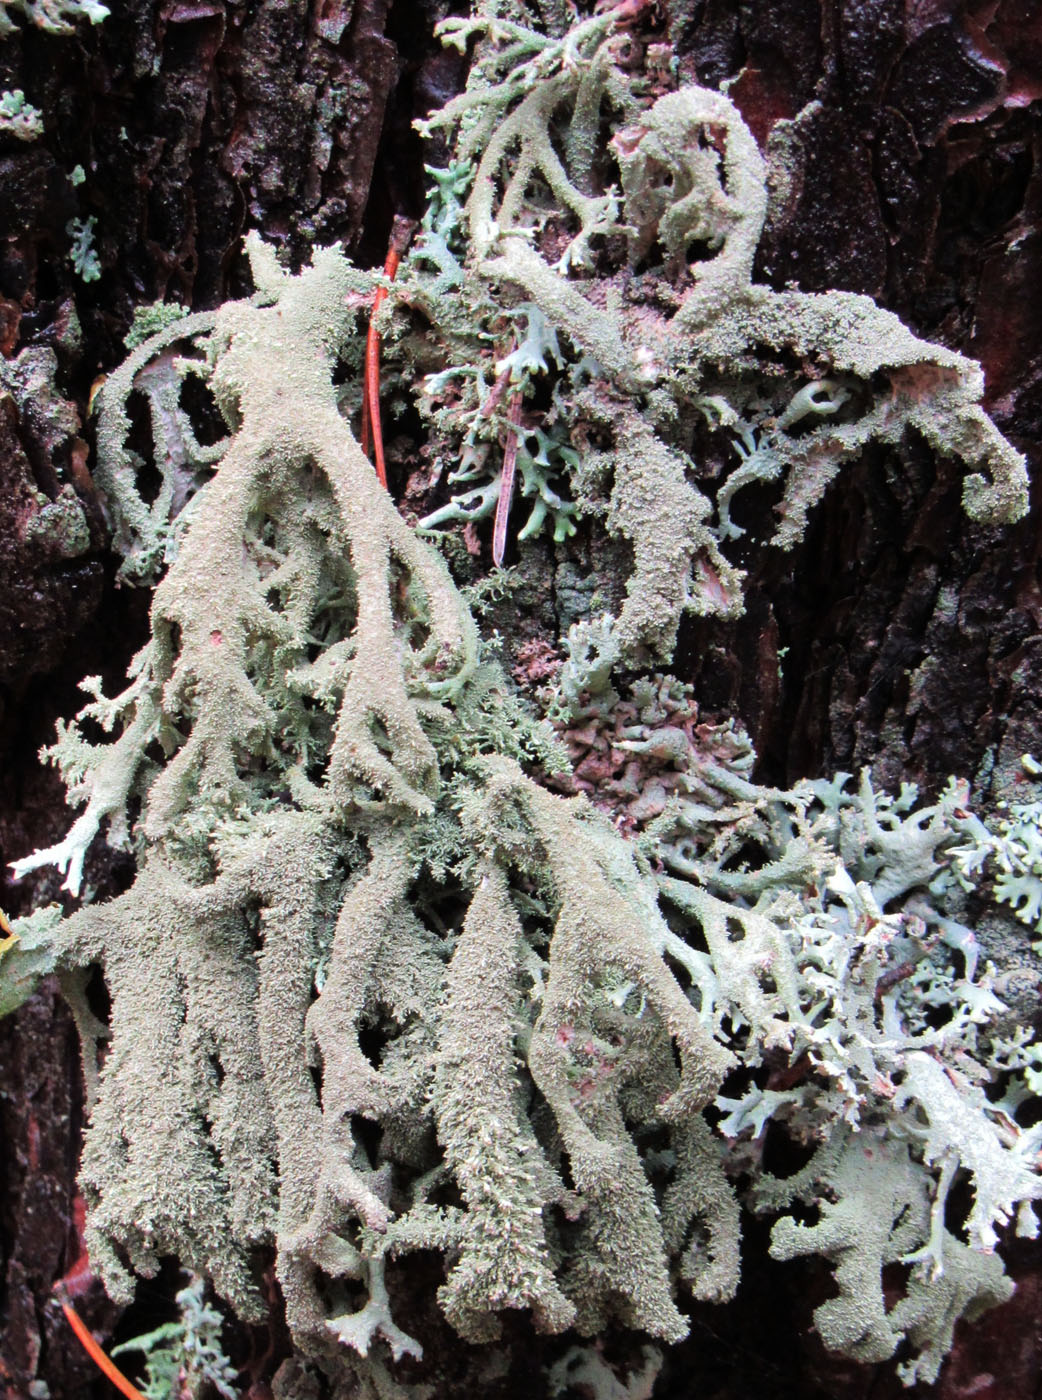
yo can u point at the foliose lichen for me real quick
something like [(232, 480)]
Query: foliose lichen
[(18, 117), (1010, 852), (82, 253)]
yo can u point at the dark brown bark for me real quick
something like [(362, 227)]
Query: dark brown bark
[(897, 633), (911, 633)]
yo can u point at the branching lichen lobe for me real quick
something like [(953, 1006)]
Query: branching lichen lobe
[(292, 538)]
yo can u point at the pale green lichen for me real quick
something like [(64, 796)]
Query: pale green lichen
[(60, 526), (145, 531), (803, 923), (895, 1034), (150, 320), (18, 117), (583, 1370), (53, 16), (374, 989), (873, 1209), (311, 686), (542, 457), (823, 926), (82, 252), (1010, 851), (185, 1359)]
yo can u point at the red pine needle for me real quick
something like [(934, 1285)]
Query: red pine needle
[(92, 1348), (371, 397)]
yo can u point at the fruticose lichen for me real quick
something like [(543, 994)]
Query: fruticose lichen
[(309, 717), (185, 1358), (53, 16), (643, 348), (375, 988)]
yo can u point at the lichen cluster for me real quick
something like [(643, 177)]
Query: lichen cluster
[(325, 776), (52, 16), (19, 118), (822, 942), (616, 281), (375, 988), (1010, 853)]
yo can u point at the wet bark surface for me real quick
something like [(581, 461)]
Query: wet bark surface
[(896, 633)]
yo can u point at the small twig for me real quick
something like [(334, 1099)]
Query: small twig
[(506, 481), (497, 391)]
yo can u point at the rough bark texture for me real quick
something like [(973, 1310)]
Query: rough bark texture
[(896, 634), (912, 635)]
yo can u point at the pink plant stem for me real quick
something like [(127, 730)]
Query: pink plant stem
[(506, 482)]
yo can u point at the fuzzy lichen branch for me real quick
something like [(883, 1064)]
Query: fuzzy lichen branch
[(506, 1181)]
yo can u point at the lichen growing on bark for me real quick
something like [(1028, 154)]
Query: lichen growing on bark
[(376, 989), (295, 730), (676, 332)]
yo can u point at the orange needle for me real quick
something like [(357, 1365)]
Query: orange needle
[(371, 399), (401, 232), (94, 1351)]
